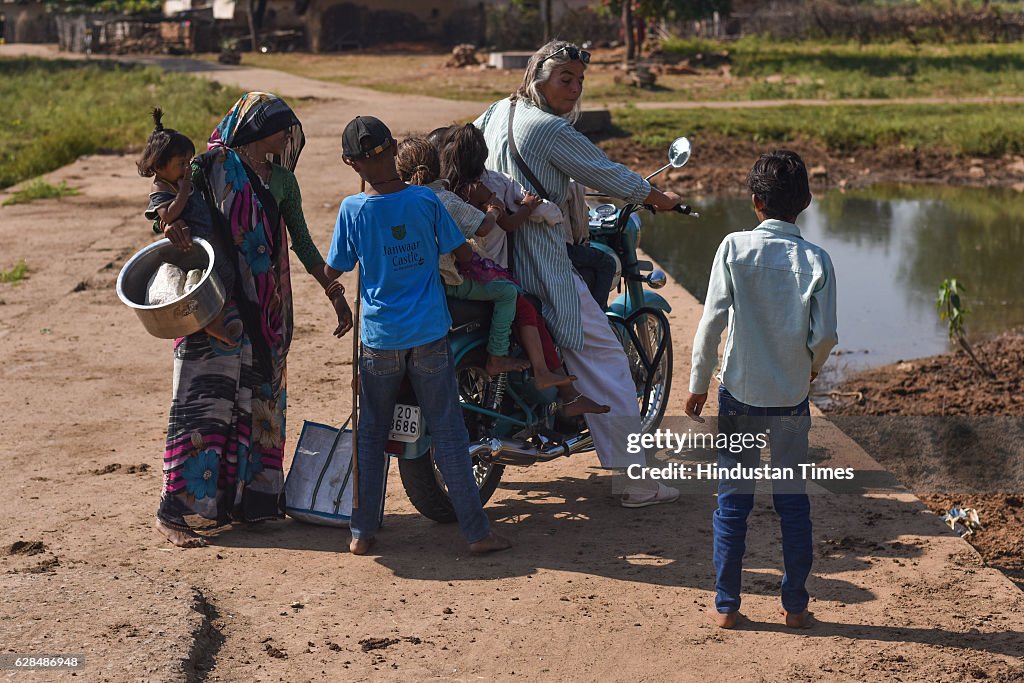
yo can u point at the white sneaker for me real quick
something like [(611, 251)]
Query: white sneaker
[(664, 494)]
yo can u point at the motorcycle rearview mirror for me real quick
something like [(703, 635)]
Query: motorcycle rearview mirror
[(679, 152)]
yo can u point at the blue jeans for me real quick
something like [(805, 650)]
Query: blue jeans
[(787, 430), (432, 375)]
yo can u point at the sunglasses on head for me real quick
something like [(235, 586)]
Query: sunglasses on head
[(575, 54)]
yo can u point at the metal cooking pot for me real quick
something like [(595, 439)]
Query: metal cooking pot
[(186, 314)]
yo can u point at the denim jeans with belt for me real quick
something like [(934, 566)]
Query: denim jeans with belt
[(432, 375), (787, 430)]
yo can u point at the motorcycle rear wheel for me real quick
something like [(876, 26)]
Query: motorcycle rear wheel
[(422, 480)]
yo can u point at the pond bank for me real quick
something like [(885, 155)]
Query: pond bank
[(934, 429), (720, 165)]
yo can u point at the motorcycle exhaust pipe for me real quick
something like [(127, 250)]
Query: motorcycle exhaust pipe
[(508, 452)]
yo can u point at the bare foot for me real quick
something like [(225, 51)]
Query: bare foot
[(581, 405), (726, 620), (797, 619), (490, 543), (499, 364), (545, 379), (361, 546), (179, 537)]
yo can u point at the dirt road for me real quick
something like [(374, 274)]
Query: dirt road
[(591, 591)]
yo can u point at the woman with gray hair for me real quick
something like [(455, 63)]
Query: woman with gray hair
[(531, 138)]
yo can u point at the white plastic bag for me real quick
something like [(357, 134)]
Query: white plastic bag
[(318, 489), (193, 279), (166, 285)]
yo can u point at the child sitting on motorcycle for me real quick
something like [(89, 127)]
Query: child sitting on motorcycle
[(463, 164), (418, 164), (463, 156), (394, 233)]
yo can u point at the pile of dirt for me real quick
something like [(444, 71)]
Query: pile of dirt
[(949, 384), (720, 165), (953, 436)]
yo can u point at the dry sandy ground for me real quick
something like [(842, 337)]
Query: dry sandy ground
[(590, 592)]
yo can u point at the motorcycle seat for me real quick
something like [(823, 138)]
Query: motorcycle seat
[(469, 316)]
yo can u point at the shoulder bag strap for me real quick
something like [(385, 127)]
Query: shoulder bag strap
[(519, 159)]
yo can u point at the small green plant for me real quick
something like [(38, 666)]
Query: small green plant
[(952, 310), (16, 274), (40, 189)]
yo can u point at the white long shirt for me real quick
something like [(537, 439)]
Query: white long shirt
[(777, 294)]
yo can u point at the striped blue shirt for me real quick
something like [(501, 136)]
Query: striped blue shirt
[(555, 152)]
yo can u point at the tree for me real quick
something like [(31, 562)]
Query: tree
[(546, 19), (670, 10)]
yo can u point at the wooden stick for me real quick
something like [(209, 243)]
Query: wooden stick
[(355, 384)]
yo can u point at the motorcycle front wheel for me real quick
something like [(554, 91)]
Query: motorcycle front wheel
[(421, 478), (647, 342)]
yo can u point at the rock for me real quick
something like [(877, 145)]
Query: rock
[(774, 78), (1016, 167), (976, 172), (463, 55), (642, 77), (818, 172)]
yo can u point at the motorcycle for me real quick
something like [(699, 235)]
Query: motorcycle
[(510, 421)]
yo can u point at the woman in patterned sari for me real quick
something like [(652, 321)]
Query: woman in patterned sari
[(226, 430)]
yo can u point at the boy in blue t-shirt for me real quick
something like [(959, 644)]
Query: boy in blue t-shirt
[(395, 233)]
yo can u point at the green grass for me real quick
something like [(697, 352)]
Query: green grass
[(759, 69), (40, 189), (16, 274), (766, 69), (57, 110), (968, 130)]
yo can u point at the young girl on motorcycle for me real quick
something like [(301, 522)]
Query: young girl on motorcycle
[(418, 164)]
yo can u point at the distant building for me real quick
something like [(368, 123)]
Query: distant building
[(332, 25), (26, 22)]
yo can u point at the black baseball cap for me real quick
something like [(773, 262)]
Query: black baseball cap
[(364, 137)]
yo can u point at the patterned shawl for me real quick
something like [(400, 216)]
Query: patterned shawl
[(257, 229)]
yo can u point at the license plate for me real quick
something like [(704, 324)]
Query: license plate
[(405, 425)]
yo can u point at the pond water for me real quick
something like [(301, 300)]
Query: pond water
[(892, 246)]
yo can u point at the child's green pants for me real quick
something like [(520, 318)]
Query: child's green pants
[(504, 294)]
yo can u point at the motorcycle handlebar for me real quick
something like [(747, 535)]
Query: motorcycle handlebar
[(678, 208)]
